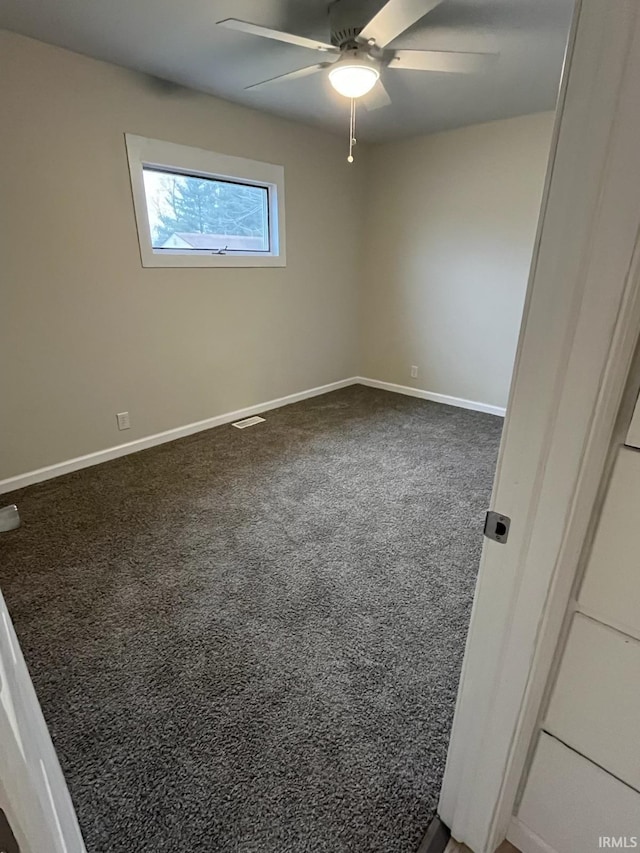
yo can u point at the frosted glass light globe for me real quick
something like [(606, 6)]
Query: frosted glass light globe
[(353, 80)]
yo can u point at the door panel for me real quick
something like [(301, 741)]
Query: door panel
[(611, 586), (18, 800), (577, 342), (595, 705), (33, 792), (570, 803)]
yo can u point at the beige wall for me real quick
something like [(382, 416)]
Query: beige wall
[(418, 254), (451, 221), (86, 330)]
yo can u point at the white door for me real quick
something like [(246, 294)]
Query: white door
[(583, 787), (579, 332), (36, 813)]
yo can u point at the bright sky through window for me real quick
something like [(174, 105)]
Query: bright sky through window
[(196, 213)]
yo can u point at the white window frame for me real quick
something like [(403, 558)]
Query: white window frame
[(170, 156)]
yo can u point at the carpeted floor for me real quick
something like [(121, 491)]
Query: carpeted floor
[(250, 641)]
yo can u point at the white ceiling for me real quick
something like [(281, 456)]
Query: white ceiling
[(178, 41)]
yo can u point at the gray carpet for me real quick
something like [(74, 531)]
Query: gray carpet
[(250, 641)]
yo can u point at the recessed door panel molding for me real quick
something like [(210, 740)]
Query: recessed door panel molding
[(595, 704), (570, 803), (611, 587)]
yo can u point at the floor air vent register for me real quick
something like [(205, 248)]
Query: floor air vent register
[(248, 422)]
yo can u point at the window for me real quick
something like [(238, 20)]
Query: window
[(192, 213), (198, 208)]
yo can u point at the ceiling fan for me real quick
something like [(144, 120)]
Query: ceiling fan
[(358, 51)]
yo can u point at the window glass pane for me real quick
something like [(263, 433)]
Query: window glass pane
[(192, 213)]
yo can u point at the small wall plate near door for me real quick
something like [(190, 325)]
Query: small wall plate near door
[(124, 421)]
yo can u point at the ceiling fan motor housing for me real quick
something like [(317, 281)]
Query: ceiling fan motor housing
[(346, 21)]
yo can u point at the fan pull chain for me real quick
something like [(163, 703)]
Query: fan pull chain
[(352, 130)]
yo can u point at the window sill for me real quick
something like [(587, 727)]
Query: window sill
[(209, 259)]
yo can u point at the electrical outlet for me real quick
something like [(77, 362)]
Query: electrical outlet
[(124, 421), (414, 371)]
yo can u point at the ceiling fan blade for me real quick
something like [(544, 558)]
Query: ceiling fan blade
[(277, 35), (377, 97), (292, 75), (446, 61), (394, 18)]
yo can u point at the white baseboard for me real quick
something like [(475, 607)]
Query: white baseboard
[(60, 468), (525, 839), (460, 402), (51, 471)]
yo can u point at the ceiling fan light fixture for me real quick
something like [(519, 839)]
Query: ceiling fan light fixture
[(353, 78)]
